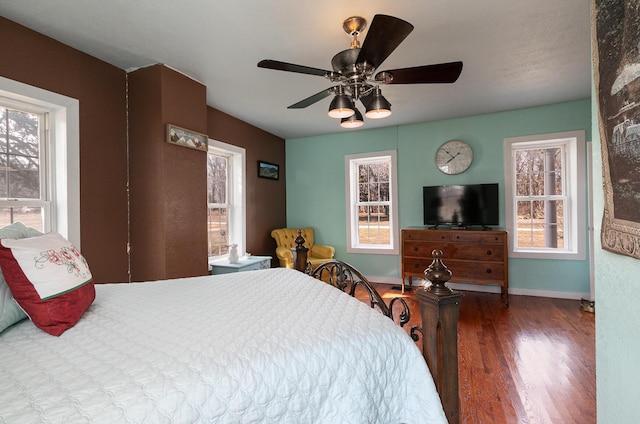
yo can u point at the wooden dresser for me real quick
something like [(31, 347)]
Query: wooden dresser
[(479, 257)]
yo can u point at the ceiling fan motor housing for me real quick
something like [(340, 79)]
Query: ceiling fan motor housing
[(345, 62), (353, 75)]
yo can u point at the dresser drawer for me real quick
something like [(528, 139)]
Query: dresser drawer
[(425, 235), (476, 272), (253, 267), (422, 249), (480, 252), (416, 266), (462, 271), (478, 237)]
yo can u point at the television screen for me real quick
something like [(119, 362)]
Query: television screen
[(461, 205)]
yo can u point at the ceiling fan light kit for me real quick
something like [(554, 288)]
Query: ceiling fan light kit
[(353, 121), (378, 107), (354, 68), (341, 106)]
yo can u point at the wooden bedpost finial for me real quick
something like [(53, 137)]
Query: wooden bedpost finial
[(301, 253), (438, 274), (299, 241)]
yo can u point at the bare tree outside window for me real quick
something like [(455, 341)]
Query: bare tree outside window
[(22, 195), (539, 196), (371, 182), (373, 203), (545, 195), (218, 204)]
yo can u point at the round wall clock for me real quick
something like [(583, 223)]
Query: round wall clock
[(454, 157)]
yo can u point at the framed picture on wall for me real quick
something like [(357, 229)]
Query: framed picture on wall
[(187, 138), (268, 170)]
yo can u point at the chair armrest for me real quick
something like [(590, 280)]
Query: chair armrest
[(285, 257), (322, 251), (284, 253)]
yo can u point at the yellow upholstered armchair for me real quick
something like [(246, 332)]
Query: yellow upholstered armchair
[(285, 241)]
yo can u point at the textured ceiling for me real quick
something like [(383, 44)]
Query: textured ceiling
[(516, 53)]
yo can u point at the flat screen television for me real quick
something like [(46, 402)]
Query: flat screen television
[(461, 205)]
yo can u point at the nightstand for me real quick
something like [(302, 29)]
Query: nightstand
[(251, 263)]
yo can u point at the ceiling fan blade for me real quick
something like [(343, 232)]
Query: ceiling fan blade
[(290, 67), (427, 74), (312, 99), (384, 35)]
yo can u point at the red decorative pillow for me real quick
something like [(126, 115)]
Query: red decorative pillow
[(54, 263)]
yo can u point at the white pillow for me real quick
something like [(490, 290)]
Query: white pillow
[(52, 264), (10, 312)]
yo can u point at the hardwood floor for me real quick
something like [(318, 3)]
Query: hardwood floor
[(533, 362)]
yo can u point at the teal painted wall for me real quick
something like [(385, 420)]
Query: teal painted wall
[(617, 281), (316, 181)]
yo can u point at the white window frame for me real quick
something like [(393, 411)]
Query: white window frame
[(237, 196), (575, 183), (46, 165), (351, 183), (64, 154)]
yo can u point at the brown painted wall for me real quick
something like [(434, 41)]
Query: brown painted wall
[(145, 174), (266, 199), (37, 60), (168, 214), (168, 182)]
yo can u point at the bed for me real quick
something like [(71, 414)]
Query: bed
[(262, 346)]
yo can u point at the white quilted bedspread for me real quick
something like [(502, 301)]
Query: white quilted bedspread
[(272, 346)]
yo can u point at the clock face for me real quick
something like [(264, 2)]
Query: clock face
[(454, 157)]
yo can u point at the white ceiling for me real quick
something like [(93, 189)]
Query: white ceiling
[(516, 53)]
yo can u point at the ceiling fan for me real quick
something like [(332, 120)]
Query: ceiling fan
[(354, 68)]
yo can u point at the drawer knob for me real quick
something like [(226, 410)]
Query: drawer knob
[(415, 248), (416, 265), (489, 252), (488, 270)]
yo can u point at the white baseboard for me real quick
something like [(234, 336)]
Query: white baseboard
[(385, 280), (486, 288), (549, 293), (493, 288), (483, 288)]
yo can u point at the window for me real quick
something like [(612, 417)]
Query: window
[(58, 165), (218, 194), (545, 195), (226, 214), (372, 203), (24, 193)]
